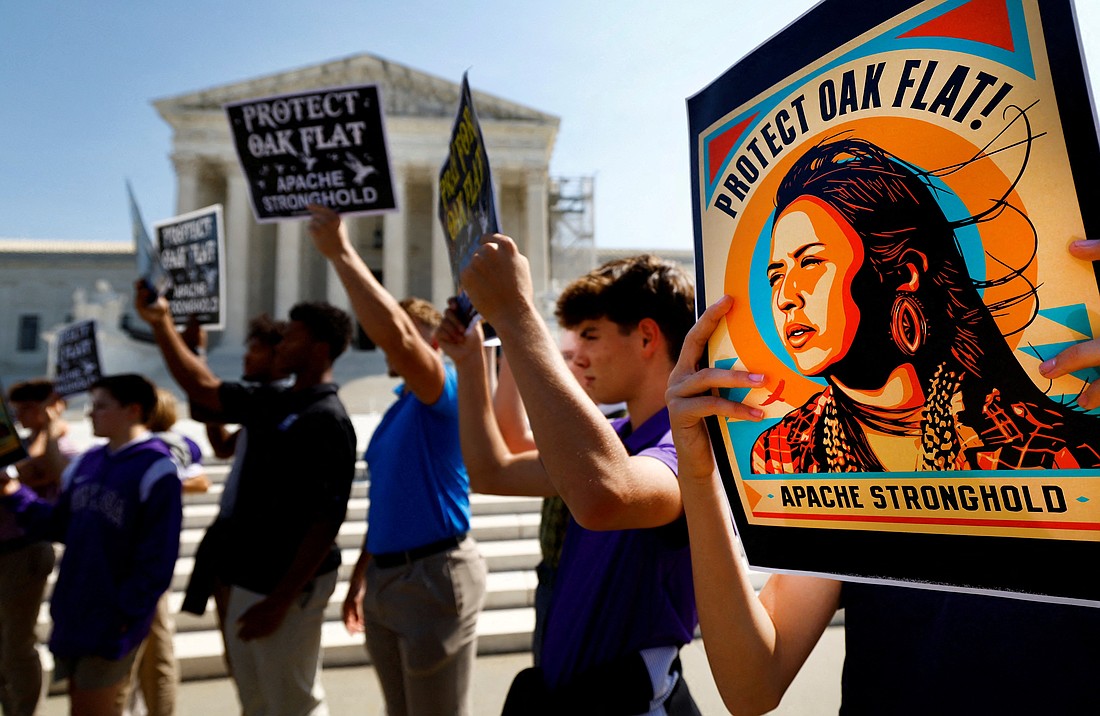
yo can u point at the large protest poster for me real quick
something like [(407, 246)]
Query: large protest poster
[(887, 190), (191, 248), (467, 208), (75, 365), (11, 447), (325, 146)]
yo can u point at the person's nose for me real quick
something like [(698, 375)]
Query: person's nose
[(788, 297)]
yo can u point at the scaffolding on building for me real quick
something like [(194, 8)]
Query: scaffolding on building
[(572, 230)]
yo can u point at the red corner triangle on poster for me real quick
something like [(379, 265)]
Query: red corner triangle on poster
[(984, 21), (719, 147)]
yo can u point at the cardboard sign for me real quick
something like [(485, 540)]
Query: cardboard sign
[(11, 447), (887, 190), (326, 146), (191, 248), (76, 364)]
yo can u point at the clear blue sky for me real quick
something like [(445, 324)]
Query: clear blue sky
[(77, 80)]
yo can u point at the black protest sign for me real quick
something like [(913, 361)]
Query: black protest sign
[(466, 205), (191, 248), (326, 146), (76, 361), (11, 447)]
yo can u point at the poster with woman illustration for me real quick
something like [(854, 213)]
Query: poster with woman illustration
[(888, 191)]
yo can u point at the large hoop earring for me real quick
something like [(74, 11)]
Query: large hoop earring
[(908, 326)]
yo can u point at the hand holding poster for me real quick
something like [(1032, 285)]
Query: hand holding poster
[(326, 146), (887, 191), (467, 208), (76, 362), (191, 248)]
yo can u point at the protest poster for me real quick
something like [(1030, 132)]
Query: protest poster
[(467, 207), (75, 364), (11, 447), (325, 146), (191, 248), (149, 267), (887, 190)]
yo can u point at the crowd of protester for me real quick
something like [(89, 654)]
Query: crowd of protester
[(638, 546)]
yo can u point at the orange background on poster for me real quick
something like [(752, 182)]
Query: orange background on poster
[(929, 147)]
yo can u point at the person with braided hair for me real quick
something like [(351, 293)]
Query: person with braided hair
[(870, 291)]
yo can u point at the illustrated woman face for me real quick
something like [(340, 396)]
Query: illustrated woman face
[(815, 257)]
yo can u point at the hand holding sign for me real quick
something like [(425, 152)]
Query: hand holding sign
[(1079, 356), (498, 280), (151, 308), (459, 337), (327, 231)]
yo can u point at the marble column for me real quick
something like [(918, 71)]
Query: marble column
[(538, 229), (288, 255), (238, 223), (187, 181), (443, 286), (334, 289), (395, 240)]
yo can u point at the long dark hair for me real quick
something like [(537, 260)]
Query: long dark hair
[(892, 207)]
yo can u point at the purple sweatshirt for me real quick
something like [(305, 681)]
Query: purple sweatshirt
[(119, 515)]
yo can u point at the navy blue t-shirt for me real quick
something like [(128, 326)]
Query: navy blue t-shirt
[(919, 651)]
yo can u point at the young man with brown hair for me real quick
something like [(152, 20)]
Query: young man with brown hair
[(622, 602)]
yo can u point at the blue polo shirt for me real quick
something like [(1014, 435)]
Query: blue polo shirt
[(419, 490)]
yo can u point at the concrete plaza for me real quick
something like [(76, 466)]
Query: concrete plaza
[(354, 691)]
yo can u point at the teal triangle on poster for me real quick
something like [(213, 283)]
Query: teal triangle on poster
[(1071, 401), (1074, 317), (1049, 350), (737, 395)]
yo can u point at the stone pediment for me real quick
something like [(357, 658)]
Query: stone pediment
[(405, 91)]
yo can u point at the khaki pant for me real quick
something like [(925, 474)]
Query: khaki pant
[(23, 574), (156, 671), (281, 673), (421, 624)]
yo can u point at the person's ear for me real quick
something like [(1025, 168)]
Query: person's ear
[(134, 412), (650, 334)]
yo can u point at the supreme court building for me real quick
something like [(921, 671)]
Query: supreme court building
[(270, 267), (47, 283)]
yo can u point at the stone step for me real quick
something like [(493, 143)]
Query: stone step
[(511, 583), (200, 654), (504, 590), (483, 527), (199, 515)]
